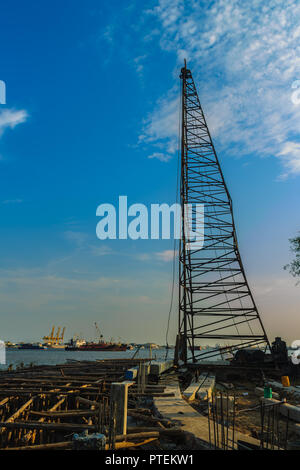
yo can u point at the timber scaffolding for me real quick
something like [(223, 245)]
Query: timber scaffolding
[(45, 407)]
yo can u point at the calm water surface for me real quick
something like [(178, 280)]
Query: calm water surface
[(48, 356)]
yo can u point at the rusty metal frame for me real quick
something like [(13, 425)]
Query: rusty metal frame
[(215, 300)]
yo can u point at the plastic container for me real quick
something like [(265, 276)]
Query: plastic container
[(267, 392), (285, 381)]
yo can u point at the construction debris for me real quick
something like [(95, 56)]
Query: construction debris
[(206, 386), (90, 405)]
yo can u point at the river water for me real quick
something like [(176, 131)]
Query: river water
[(60, 356)]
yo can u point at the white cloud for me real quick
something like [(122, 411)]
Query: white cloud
[(161, 127), (143, 257), (276, 295), (82, 243), (79, 238), (166, 255), (138, 64), (163, 157), (101, 250), (10, 118), (108, 33), (12, 201), (244, 58), (290, 156)]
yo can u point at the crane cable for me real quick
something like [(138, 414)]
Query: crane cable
[(175, 216)]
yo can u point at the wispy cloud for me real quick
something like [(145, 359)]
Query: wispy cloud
[(166, 255), (12, 201), (82, 242), (101, 250), (108, 33), (163, 157), (143, 256), (10, 118), (245, 58), (79, 238), (161, 127), (290, 157), (138, 64), (72, 222)]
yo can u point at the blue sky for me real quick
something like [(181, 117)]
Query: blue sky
[(92, 113)]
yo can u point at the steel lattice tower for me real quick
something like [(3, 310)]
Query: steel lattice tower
[(215, 301)]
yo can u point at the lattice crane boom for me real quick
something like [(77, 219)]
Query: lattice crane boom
[(215, 300)]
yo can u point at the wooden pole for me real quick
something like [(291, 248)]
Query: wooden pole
[(119, 395)]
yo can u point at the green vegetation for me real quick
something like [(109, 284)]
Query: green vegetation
[(294, 266)]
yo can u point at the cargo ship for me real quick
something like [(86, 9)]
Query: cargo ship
[(101, 345), (31, 346), (195, 348)]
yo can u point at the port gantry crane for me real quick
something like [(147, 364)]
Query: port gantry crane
[(55, 339), (99, 332)]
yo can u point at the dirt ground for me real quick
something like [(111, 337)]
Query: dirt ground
[(250, 419)]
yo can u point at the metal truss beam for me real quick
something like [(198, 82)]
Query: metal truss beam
[(215, 301)]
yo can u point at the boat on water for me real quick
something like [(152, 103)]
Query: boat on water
[(101, 345), (60, 347), (9, 345), (31, 346)]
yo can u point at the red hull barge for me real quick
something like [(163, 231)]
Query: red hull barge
[(98, 347)]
